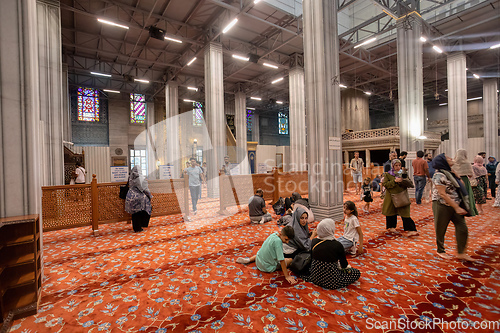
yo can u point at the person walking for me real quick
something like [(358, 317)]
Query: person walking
[(356, 166), (463, 169), (447, 198), (138, 201), (396, 182), (491, 167), (420, 174), (479, 186), (196, 177)]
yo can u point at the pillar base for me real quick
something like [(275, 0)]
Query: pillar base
[(335, 212)]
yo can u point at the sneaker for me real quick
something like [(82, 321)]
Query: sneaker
[(241, 260), (194, 213)]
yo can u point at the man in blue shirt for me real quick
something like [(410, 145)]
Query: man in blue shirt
[(196, 176)]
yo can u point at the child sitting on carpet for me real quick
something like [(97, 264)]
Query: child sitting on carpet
[(353, 236), (270, 256)]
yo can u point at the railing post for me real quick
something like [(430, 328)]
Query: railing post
[(276, 194), (94, 204)]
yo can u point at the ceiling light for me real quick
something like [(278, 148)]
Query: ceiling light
[(443, 104), (189, 101), (368, 93), (474, 99), (279, 102), (371, 40), (112, 23), (193, 88), (496, 46), (191, 61), (256, 1), (250, 108), (256, 98), (230, 25), (342, 85), (423, 39), (100, 74), (277, 80), (270, 65), (141, 80), (111, 91), (174, 40), (476, 76), (241, 57), (437, 49)]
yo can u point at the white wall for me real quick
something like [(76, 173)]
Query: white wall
[(266, 154), (97, 161), (474, 146)]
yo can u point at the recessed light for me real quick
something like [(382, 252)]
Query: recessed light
[(100, 74), (474, 99), (270, 65), (189, 101), (241, 57), (476, 76), (279, 102), (342, 85), (423, 39), (141, 80), (368, 93), (112, 23), (230, 25), (193, 88), (277, 80)]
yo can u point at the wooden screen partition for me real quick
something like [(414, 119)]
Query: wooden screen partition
[(236, 190), (72, 206)]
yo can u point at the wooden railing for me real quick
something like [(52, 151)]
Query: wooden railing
[(72, 206)]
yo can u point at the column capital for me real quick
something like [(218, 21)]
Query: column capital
[(297, 60), (408, 21)]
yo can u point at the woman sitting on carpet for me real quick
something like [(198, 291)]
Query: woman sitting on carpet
[(463, 169), (302, 240), (396, 181), (329, 268), (138, 202)]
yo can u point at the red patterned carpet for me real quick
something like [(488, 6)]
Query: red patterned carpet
[(182, 277)]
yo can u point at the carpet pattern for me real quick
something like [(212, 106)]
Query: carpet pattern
[(182, 276)]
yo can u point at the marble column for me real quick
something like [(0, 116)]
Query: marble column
[(368, 158), (214, 115), (172, 146), (410, 83), (50, 91), (355, 110), (298, 161), (240, 122), (20, 148), (321, 49), (151, 141), (490, 117), (457, 102), (396, 113), (66, 106), (255, 127)]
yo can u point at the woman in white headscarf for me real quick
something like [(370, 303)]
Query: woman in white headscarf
[(329, 268), (138, 201)]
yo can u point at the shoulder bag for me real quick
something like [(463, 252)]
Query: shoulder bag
[(400, 199), (123, 191)]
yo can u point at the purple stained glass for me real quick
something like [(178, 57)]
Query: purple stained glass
[(249, 120), (137, 108), (197, 114), (88, 104)]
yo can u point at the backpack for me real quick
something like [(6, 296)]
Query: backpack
[(279, 206)]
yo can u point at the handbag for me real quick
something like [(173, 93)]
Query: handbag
[(400, 199), (123, 191), (301, 263)]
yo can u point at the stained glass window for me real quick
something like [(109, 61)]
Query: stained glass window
[(197, 114), (88, 104), (137, 108), (283, 123), (249, 120)]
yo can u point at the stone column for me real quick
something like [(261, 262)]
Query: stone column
[(297, 116), (151, 141), (172, 146), (67, 136), (490, 117), (255, 127), (457, 102), (50, 89), (396, 113), (368, 158), (346, 158), (214, 115), (355, 110), (321, 49), (20, 148), (240, 122), (410, 83)]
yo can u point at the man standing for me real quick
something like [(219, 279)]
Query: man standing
[(420, 172), (257, 208), (491, 167), (387, 164), (196, 176), (79, 173), (357, 171), (226, 167), (402, 158)]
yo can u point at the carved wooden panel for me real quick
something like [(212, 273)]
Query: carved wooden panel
[(65, 206), (111, 207), (290, 182)]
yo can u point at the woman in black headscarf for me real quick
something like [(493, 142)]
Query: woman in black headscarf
[(302, 240), (448, 195), (138, 201)]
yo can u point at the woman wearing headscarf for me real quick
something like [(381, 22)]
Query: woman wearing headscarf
[(463, 169), (396, 181), (138, 201), (491, 167), (480, 190), (447, 198), (302, 240), (329, 267)]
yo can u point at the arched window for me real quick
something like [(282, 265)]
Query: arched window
[(88, 104), (282, 123), (137, 108), (197, 114)]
